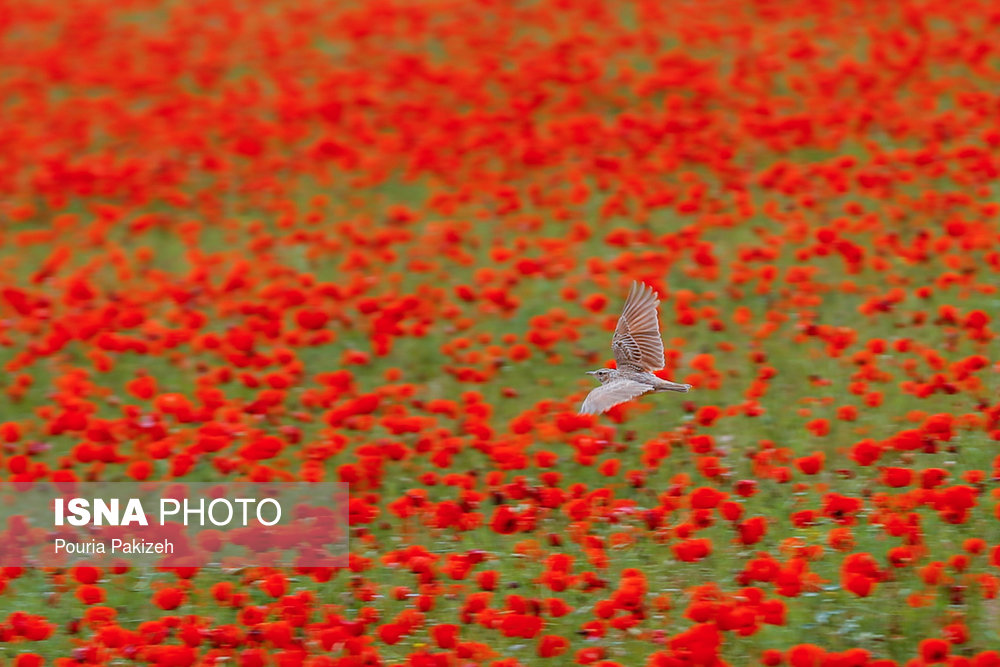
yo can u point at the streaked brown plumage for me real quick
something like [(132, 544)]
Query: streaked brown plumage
[(638, 351)]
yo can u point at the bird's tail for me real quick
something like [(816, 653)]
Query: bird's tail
[(666, 385)]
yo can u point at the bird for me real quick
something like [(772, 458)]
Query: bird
[(638, 351)]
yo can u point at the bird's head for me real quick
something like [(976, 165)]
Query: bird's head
[(602, 374)]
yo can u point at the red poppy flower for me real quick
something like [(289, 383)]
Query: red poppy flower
[(168, 598), (551, 646), (933, 651)]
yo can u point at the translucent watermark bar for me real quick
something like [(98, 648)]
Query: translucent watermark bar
[(173, 524)]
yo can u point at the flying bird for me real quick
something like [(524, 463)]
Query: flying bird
[(638, 351)]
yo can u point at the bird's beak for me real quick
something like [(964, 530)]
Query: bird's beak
[(591, 372)]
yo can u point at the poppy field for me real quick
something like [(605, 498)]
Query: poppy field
[(381, 242)]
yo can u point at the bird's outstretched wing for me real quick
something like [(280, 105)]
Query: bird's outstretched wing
[(608, 395), (637, 340)]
